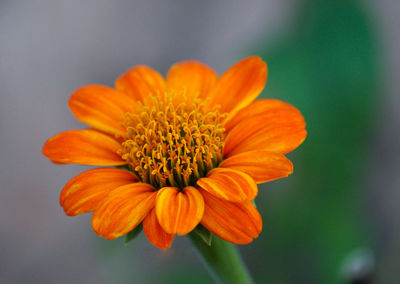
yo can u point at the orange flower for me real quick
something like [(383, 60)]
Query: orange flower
[(196, 146)]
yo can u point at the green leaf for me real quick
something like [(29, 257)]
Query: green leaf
[(123, 167), (134, 233), (204, 234)]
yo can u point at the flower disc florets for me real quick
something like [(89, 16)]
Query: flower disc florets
[(173, 140)]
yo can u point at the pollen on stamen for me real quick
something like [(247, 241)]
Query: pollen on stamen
[(173, 140)]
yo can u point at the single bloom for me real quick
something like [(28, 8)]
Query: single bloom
[(191, 149)]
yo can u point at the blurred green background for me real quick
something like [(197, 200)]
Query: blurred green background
[(327, 66), (334, 220)]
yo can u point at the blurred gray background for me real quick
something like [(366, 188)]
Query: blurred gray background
[(50, 48)]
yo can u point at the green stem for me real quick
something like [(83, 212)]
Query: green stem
[(222, 260)]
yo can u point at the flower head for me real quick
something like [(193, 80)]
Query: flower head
[(195, 145)]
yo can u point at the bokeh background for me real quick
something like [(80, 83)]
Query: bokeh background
[(335, 220)]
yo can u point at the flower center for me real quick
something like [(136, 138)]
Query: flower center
[(173, 141)]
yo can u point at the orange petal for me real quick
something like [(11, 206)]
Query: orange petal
[(140, 82), (57, 163), (262, 106), (179, 211), (82, 193), (269, 122), (262, 166), (123, 209), (229, 184), (85, 147), (237, 223), (101, 107), (155, 233), (194, 76), (277, 130), (239, 85), (280, 138)]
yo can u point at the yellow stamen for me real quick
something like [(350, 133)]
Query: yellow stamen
[(174, 140)]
